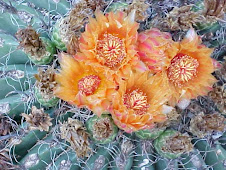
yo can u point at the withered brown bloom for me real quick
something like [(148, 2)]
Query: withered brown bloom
[(141, 9), (178, 19), (178, 143), (75, 133), (102, 128), (5, 160), (30, 42), (70, 26), (5, 126), (214, 9), (45, 82), (202, 125), (218, 95), (37, 119)]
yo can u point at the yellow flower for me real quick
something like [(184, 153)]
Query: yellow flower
[(138, 102), (108, 44), (82, 85), (189, 71)]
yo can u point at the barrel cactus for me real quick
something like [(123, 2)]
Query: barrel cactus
[(112, 84)]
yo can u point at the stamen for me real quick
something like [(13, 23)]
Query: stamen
[(136, 100), (182, 69), (111, 49), (89, 84)]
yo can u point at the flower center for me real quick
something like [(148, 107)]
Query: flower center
[(110, 50), (89, 84), (136, 100), (182, 69)]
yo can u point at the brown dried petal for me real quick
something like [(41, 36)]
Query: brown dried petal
[(201, 125), (102, 129), (214, 8), (5, 126), (141, 9), (218, 95), (30, 42), (178, 144), (46, 82), (75, 133), (5, 161), (37, 119)]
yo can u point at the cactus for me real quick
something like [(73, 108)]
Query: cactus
[(39, 130)]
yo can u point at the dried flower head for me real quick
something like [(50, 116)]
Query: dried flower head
[(173, 118), (214, 9), (141, 9), (69, 27), (5, 160), (178, 143), (97, 4), (75, 133), (202, 125), (5, 126), (221, 73), (218, 95), (45, 82), (30, 42), (37, 119), (102, 128), (195, 108), (178, 19)]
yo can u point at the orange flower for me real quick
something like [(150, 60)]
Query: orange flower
[(108, 44), (138, 102), (82, 85), (189, 71), (155, 49)]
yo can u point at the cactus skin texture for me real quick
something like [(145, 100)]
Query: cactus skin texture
[(45, 102), (39, 150), (56, 38), (149, 134)]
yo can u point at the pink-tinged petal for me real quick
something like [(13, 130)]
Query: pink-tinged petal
[(123, 125), (141, 67), (145, 46), (216, 64)]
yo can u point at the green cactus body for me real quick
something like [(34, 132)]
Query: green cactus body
[(100, 159), (212, 156), (144, 156), (9, 52), (124, 157), (27, 142), (42, 154), (193, 161), (15, 78), (66, 160), (14, 105), (163, 164), (117, 6), (45, 102), (57, 39), (204, 27), (149, 133), (48, 57), (90, 124), (161, 141)]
